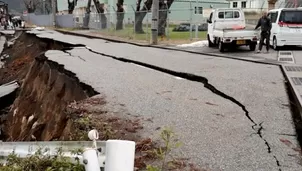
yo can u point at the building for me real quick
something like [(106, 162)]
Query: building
[(249, 5), (288, 3), (180, 11)]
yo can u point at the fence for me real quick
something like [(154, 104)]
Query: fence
[(131, 25), (176, 25), (111, 155)]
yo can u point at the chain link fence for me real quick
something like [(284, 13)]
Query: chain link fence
[(182, 25), (137, 25)]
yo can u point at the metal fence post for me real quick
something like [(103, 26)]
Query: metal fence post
[(168, 24), (196, 30), (120, 155), (147, 27), (90, 160), (191, 18)]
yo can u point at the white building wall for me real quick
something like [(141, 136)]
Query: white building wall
[(255, 4)]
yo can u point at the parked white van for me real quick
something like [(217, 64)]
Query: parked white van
[(286, 27), (227, 29)]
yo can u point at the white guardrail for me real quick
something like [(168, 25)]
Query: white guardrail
[(112, 155)]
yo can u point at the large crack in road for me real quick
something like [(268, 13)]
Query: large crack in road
[(196, 78), (257, 127)]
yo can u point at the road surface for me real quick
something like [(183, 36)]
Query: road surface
[(231, 115)]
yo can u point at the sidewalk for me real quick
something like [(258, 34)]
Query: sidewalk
[(161, 41)]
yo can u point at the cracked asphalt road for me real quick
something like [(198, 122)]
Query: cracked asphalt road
[(216, 132)]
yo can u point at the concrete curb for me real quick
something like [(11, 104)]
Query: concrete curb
[(168, 48), (296, 90)]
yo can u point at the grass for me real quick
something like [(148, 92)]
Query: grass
[(128, 32)]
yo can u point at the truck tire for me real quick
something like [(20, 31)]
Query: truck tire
[(252, 46), (275, 45), (210, 42), (221, 46)]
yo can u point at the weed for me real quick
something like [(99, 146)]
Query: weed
[(168, 137), (42, 160)]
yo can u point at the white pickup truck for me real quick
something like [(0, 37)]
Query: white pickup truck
[(227, 29)]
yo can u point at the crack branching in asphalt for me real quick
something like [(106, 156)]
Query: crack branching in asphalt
[(258, 128)]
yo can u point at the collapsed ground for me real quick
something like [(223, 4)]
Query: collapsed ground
[(45, 82), (52, 104)]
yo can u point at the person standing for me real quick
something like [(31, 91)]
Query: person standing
[(266, 26)]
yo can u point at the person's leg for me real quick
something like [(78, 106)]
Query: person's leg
[(267, 37), (261, 42)]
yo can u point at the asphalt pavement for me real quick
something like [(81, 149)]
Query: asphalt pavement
[(209, 116)]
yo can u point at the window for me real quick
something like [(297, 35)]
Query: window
[(243, 4), (273, 16), (221, 15), (288, 16), (235, 4), (198, 10), (228, 14)]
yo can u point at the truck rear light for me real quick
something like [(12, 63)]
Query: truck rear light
[(281, 24), (227, 40), (238, 27)]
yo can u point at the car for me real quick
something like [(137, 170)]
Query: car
[(182, 27), (227, 29), (186, 27), (286, 27)]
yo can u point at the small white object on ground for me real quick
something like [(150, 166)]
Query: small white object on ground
[(195, 44), (39, 28)]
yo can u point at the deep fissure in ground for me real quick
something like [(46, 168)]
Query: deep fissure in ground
[(45, 76), (36, 111), (257, 127)]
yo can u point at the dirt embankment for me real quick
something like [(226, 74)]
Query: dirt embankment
[(38, 112), (52, 103)]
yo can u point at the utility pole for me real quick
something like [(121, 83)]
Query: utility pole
[(154, 25), (44, 11), (54, 7)]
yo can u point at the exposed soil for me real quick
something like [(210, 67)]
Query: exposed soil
[(22, 54), (52, 104)]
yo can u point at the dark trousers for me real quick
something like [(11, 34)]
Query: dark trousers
[(264, 35)]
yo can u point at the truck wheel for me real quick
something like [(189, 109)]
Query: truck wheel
[(252, 46), (221, 46), (275, 46), (210, 42)]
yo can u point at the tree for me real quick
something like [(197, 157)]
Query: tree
[(31, 5), (87, 14), (100, 8), (140, 14), (120, 13), (46, 7), (71, 5), (163, 15)]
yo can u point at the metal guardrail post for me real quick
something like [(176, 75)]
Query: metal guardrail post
[(90, 160), (119, 155), (114, 155)]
